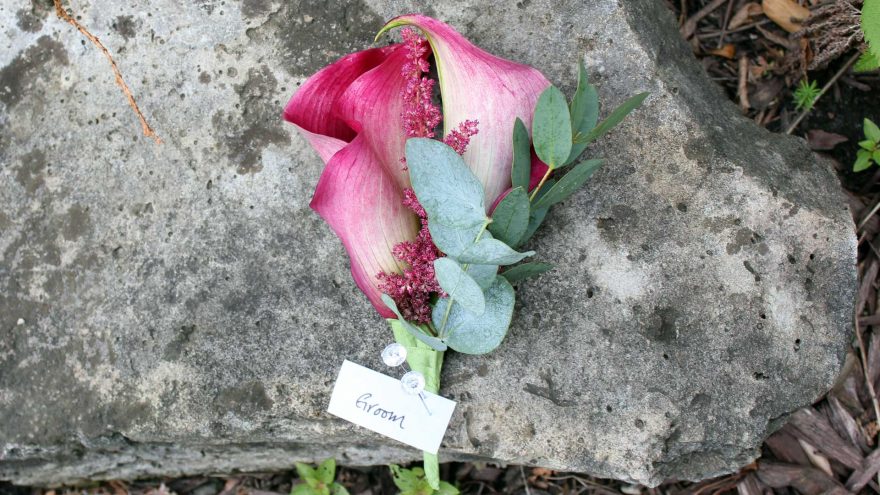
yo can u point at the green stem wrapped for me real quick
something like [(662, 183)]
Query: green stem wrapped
[(428, 362)]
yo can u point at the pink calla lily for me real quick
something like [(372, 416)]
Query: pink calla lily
[(352, 113), (358, 193), (477, 85)]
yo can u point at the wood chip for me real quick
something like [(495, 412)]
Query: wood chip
[(816, 458), (811, 426), (842, 421), (775, 38), (874, 358), (749, 485), (689, 27), (867, 285), (785, 13), (744, 15), (823, 141), (742, 88), (727, 51), (785, 447), (867, 321), (807, 480), (860, 477)]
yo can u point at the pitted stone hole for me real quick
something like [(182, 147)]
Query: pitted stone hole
[(640, 424), (665, 356), (763, 316), (812, 256), (590, 293), (797, 345), (792, 259), (760, 376), (257, 323), (609, 408)]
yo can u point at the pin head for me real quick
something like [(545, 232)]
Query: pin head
[(394, 355), (413, 382)]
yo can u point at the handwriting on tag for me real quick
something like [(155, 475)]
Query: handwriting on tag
[(377, 402)]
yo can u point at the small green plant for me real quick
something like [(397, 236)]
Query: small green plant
[(413, 482), (867, 62), (318, 481), (870, 23), (805, 95), (870, 152)]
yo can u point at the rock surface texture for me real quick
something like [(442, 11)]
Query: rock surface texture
[(177, 308)]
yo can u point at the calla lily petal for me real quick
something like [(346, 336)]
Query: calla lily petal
[(326, 146), (477, 85), (364, 207), (373, 106), (311, 108), (539, 168)]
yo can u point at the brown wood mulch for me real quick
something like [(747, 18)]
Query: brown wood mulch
[(757, 51)]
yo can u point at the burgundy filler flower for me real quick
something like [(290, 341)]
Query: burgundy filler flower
[(358, 112)]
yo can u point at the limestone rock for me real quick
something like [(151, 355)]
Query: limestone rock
[(177, 308)]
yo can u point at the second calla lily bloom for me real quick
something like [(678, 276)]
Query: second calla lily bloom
[(353, 112)]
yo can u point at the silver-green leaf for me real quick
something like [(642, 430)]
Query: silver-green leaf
[(429, 340), (568, 184), (616, 116), (445, 186), (536, 218), (584, 111), (511, 217), (471, 334), (492, 252), (484, 275), (453, 240), (459, 285), (519, 273), (551, 128), (521, 171)]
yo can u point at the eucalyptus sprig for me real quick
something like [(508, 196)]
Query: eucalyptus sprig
[(561, 133), (474, 314), (476, 311)]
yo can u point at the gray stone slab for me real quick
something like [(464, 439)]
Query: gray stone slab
[(177, 308)]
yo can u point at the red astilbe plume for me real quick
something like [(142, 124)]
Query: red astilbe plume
[(420, 115), (412, 289), (460, 137)]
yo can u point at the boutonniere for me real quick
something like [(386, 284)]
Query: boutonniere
[(434, 222)]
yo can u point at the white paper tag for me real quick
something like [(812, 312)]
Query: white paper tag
[(377, 402)]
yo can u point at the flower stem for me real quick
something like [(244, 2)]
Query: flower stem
[(543, 180)]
